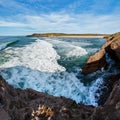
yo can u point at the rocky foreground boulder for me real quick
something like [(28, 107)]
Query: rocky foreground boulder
[(98, 60), (111, 109), (17, 104)]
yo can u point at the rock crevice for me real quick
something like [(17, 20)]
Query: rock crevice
[(98, 60)]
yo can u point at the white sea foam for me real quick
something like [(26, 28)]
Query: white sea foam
[(57, 84), (39, 55), (67, 49), (92, 91), (35, 66), (77, 51), (83, 44)]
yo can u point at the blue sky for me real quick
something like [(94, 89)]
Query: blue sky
[(21, 17)]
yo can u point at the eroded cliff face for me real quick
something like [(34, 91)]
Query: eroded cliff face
[(98, 60), (110, 98)]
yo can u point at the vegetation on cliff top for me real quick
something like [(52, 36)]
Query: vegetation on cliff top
[(62, 34)]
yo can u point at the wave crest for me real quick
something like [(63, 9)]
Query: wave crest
[(6, 44), (39, 55)]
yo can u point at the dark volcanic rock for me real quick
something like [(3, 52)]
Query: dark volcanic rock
[(107, 87), (110, 98), (111, 109), (4, 115), (17, 104), (97, 61)]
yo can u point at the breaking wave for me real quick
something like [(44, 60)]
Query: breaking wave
[(35, 66), (57, 83), (39, 55), (6, 44), (67, 49)]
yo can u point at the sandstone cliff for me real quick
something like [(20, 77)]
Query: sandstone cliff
[(98, 60)]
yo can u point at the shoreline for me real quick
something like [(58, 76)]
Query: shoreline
[(80, 36), (63, 35)]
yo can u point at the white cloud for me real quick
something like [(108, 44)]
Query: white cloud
[(62, 22), (75, 23), (11, 24)]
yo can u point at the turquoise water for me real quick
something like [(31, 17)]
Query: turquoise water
[(51, 65)]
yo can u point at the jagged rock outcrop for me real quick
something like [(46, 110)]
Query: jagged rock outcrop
[(114, 48), (17, 104), (98, 61), (111, 108), (109, 101), (107, 87)]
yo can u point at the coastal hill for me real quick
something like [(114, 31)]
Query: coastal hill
[(65, 35)]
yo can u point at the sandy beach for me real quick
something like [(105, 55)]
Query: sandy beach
[(80, 36)]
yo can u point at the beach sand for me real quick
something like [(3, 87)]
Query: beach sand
[(80, 36)]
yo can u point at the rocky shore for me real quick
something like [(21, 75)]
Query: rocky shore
[(98, 60), (17, 104)]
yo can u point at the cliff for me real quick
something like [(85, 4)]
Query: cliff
[(17, 104), (111, 109), (98, 60)]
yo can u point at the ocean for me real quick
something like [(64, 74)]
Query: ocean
[(52, 66)]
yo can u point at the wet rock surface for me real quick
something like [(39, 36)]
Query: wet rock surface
[(111, 109), (17, 104), (107, 87), (109, 101)]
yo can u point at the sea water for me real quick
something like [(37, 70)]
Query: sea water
[(52, 66)]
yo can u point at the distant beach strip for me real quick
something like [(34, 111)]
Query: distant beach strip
[(63, 35), (81, 36)]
